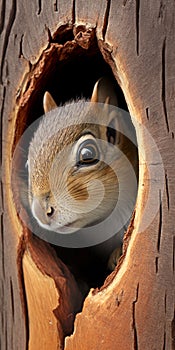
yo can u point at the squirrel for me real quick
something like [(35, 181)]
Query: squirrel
[(63, 162)]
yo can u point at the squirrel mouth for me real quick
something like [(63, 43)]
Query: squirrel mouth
[(70, 223), (66, 228)]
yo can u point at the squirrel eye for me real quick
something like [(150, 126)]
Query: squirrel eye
[(88, 153)]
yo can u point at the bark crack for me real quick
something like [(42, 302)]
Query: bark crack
[(164, 341), (39, 7), (137, 26), (163, 83), (161, 10), (173, 253), (1, 122), (20, 254), (7, 72), (173, 332), (7, 36), (2, 16), (165, 305), (2, 241), (160, 222), (2, 303), (50, 39), (147, 113), (20, 46), (157, 264), (6, 333), (134, 318), (106, 19), (165, 302), (12, 298), (73, 12), (2, 197), (55, 5), (167, 191)]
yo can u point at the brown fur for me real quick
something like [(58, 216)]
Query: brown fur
[(54, 179)]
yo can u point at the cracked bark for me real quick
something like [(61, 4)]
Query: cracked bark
[(147, 113), (2, 16), (105, 25), (12, 16), (173, 262), (39, 7), (20, 46), (134, 319), (55, 6), (1, 121), (167, 191), (160, 223), (164, 83), (137, 25), (140, 54)]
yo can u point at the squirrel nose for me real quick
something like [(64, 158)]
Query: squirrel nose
[(50, 212), (40, 213)]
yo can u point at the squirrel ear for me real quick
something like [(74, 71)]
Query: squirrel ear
[(104, 92), (48, 102)]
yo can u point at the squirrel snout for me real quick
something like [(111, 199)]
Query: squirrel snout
[(50, 211), (42, 213)]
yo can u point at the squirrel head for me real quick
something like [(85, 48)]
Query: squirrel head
[(72, 167)]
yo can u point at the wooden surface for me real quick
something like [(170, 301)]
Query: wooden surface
[(135, 309)]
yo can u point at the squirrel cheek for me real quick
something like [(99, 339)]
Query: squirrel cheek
[(78, 190), (38, 211)]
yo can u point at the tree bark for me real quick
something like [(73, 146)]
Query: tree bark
[(39, 297)]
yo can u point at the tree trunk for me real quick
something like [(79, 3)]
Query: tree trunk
[(39, 297)]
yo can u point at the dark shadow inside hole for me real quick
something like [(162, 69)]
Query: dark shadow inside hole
[(88, 266), (71, 79), (77, 79)]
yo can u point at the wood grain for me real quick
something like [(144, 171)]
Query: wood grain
[(135, 307)]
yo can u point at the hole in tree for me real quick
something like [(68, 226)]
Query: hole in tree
[(71, 77)]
